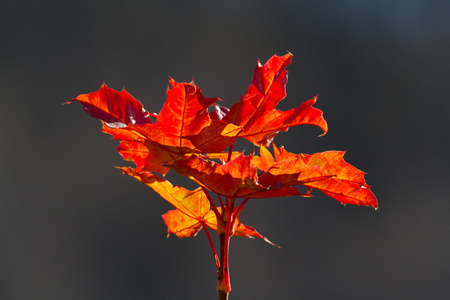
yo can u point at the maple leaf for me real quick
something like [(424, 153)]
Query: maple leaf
[(256, 111), (116, 109), (185, 123), (227, 179), (191, 206), (326, 171), (237, 178), (185, 111)]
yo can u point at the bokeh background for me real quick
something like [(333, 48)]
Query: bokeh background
[(73, 227)]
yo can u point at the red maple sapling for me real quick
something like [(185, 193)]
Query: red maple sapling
[(198, 144)]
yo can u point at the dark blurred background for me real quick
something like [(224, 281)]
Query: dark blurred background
[(73, 227)]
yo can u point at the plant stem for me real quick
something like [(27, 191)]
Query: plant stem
[(221, 202), (230, 152), (223, 295), (220, 222), (216, 259), (241, 206), (237, 212), (223, 284)]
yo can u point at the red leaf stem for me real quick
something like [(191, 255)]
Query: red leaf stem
[(219, 217), (221, 202), (216, 258), (238, 211)]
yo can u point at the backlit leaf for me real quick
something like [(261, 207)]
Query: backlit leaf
[(116, 109), (191, 206), (228, 179), (256, 111), (236, 179), (325, 171)]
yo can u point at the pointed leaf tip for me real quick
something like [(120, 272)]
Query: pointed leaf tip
[(326, 171), (117, 109), (257, 113)]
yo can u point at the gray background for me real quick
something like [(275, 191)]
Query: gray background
[(73, 227)]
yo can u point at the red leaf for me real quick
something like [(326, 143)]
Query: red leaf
[(236, 179), (327, 172), (256, 111), (185, 111), (184, 122), (214, 138), (227, 180), (116, 109)]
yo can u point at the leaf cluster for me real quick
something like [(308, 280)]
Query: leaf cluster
[(192, 133)]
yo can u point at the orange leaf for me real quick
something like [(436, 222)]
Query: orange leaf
[(256, 111), (191, 206), (180, 224), (236, 179), (327, 172), (214, 138), (228, 179), (265, 162)]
